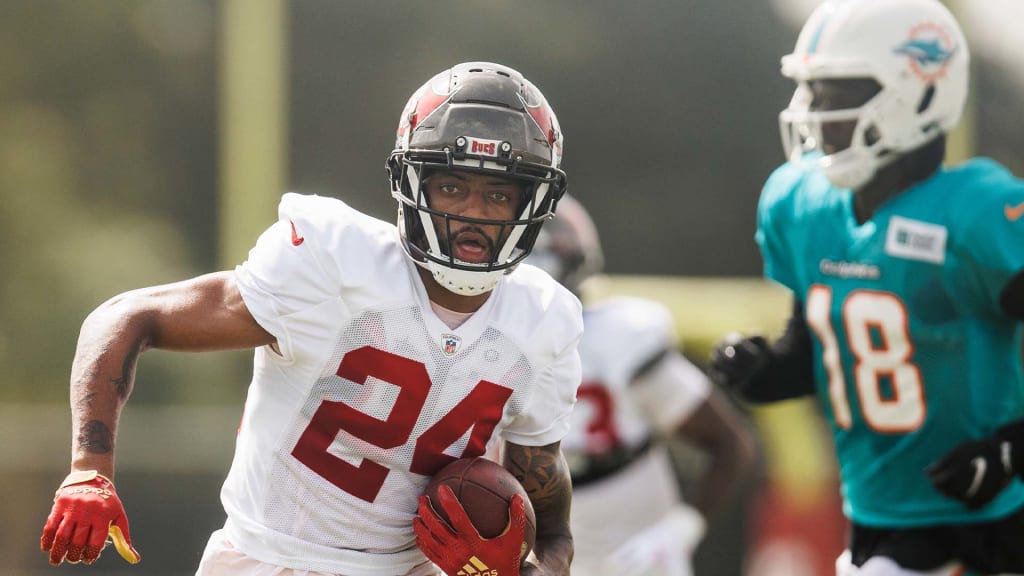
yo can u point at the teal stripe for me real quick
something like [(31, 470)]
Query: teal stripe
[(817, 36)]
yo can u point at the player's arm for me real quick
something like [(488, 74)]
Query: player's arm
[(679, 402), (542, 470), (762, 372), (975, 472), (718, 431), (204, 313)]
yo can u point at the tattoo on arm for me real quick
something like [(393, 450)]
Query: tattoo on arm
[(541, 470), (123, 384), (95, 437)]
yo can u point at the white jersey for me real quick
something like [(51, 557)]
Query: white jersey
[(625, 336), (369, 392), (636, 387)]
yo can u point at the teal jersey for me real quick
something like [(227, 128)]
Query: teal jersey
[(913, 354)]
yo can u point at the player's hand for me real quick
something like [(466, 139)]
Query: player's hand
[(459, 547), (85, 511), (735, 359), (974, 472)]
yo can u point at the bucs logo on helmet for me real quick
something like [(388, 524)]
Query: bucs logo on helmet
[(423, 102)]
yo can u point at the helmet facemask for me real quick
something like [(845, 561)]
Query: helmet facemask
[(430, 233), (847, 143)]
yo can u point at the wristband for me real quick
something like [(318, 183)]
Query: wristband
[(82, 476)]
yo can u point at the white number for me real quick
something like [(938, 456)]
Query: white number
[(878, 334)]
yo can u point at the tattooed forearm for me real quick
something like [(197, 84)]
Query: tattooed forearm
[(95, 437), (545, 475), (542, 471), (123, 383)]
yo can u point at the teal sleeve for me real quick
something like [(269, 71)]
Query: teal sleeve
[(772, 220), (991, 243)]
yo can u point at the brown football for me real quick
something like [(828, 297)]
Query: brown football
[(485, 489)]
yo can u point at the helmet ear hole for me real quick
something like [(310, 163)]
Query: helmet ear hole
[(926, 99), (872, 135)]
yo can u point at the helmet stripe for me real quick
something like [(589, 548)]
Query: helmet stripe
[(817, 35)]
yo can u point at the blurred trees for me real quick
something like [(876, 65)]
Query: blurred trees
[(107, 166), (108, 140)]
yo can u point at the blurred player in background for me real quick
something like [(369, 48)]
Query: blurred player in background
[(908, 280), (382, 354), (627, 515)]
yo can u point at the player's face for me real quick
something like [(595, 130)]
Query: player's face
[(840, 94), (470, 195)]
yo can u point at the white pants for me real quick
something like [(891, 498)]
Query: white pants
[(221, 558), (662, 549)]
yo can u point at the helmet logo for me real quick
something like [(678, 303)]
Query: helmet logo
[(543, 117), (482, 147), (422, 104), (929, 50)]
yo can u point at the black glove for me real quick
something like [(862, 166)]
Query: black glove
[(736, 359), (975, 472)]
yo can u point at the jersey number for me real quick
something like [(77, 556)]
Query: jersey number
[(481, 409), (602, 433), (889, 386)]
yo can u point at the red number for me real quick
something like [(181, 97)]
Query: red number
[(481, 408), (602, 433)]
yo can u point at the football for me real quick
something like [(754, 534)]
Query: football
[(484, 488)]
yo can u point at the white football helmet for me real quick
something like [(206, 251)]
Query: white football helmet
[(913, 49), (484, 118), (568, 247)]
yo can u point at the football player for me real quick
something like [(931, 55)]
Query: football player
[(382, 354), (908, 279), (638, 391)]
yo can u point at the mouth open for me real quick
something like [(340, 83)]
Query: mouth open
[(471, 246)]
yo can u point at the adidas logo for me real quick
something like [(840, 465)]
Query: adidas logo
[(476, 568)]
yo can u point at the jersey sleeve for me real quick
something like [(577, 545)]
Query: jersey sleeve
[(670, 392), (627, 335), (665, 386), (774, 215), (991, 244), (545, 418), (289, 282)]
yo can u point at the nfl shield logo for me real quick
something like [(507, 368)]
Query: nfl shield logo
[(450, 343)]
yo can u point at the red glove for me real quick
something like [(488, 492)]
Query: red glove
[(85, 510), (459, 549)]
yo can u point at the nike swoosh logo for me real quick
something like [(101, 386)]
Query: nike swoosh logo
[(1013, 213), (296, 239)]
